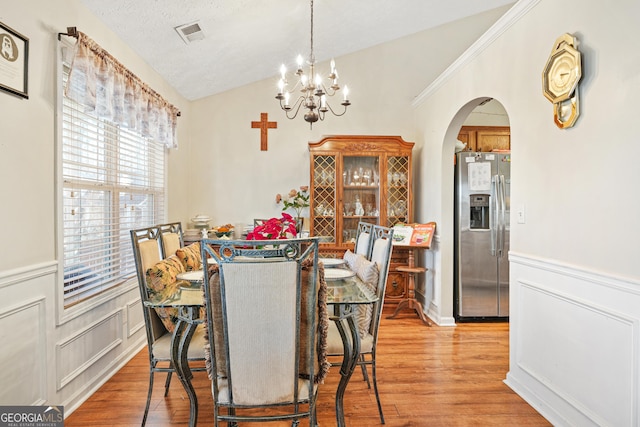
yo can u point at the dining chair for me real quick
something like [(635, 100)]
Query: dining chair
[(148, 252), (265, 315), (369, 317), (363, 239)]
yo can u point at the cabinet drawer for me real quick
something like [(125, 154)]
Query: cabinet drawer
[(396, 287)]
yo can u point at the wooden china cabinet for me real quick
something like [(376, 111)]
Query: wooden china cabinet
[(361, 178)]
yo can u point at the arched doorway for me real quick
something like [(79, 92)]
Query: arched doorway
[(483, 111), (482, 186)]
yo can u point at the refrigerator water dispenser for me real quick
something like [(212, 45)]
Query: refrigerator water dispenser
[(479, 211)]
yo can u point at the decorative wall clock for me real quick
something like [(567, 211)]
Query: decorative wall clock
[(560, 79)]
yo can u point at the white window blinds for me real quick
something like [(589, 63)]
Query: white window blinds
[(113, 181)]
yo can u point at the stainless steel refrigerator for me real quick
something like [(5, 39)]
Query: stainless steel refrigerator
[(482, 199)]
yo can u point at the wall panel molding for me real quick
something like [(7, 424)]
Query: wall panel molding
[(27, 361), (575, 342), (78, 353), (27, 273), (624, 284), (134, 318)]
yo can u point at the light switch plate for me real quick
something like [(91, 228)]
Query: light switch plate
[(520, 213)]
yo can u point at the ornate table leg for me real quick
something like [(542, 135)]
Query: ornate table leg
[(411, 302), (180, 340), (351, 351)]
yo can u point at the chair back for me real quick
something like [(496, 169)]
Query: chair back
[(171, 237), (382, 238), (363, 239), (262, 319), (147, 251)]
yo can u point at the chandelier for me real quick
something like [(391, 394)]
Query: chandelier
[(313, 92)]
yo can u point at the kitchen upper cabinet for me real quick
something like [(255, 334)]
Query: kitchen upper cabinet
[(486, 138)]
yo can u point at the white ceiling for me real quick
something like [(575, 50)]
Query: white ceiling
[(247, 40)]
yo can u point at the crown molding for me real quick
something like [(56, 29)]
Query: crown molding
[(512, 16)]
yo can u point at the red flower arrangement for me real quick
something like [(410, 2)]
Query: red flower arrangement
[(275, 228)]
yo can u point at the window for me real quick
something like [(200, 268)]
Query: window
[(112, 182)]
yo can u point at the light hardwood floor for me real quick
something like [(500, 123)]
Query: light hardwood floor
[(438, 376)]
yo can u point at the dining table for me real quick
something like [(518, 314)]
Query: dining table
[(345, 291)]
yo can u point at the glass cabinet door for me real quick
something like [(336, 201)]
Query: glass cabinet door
[(324, 197), (361, 194), (397, 200)]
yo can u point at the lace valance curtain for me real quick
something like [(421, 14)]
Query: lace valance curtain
[(108, 89)]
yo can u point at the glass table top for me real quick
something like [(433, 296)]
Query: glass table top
[(349, 290), (183, 297)]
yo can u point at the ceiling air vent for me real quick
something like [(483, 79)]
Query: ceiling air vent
[(190, 32)]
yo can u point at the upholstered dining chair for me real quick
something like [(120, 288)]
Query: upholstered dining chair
[(369, 316), (148, 252), (265, 315), (363, 239)]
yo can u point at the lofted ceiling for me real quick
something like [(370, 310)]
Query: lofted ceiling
[(247, 40)]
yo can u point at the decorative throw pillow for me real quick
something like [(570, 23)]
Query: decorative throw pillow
[(350, 258), (190, 256), (368, 272), (162, 283)]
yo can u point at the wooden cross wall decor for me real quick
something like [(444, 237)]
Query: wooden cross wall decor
[(264, 125)]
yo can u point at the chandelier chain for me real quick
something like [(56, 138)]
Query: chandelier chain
[(312, 59)]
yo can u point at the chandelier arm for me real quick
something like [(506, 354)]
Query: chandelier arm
[(295, 108), (328, 92), (333, 112)]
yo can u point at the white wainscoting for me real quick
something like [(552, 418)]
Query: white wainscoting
[(135, 318), (63, 363), (24, 352), (77, 353), (25, 295), (574, 343)]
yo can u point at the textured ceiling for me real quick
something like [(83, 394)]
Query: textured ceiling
[(247, 40)]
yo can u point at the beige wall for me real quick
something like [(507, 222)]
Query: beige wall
[(574, 280), (231, 180)]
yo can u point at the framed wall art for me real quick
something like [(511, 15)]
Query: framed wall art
[(14, 61)]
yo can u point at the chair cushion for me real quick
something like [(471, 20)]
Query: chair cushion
[(162, 283), (149, 253), (335, 346), (190, 256), (170, 243), (162, 346), (362, 244)]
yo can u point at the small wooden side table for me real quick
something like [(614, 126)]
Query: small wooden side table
[(411, 302)]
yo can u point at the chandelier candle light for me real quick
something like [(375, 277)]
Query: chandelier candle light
[(313, 91)]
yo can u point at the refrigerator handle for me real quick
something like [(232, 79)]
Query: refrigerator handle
[(503, 215), (494, 219)]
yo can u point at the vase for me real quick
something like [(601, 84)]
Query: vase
[(299, 225)]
